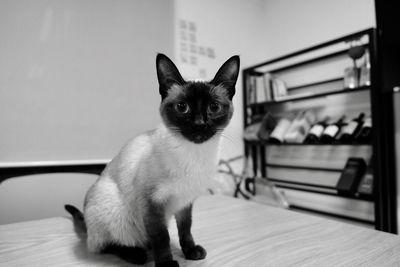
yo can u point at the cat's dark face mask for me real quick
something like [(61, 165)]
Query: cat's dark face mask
[(196, 110)]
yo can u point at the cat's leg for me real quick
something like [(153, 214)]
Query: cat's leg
[(158, 236), (96, 240), (184, 223), (134, 255)]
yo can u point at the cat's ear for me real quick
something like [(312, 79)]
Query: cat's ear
[(227, 75), (167, 74)]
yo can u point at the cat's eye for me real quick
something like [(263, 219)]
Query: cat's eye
[(214, 107), (182, 107)]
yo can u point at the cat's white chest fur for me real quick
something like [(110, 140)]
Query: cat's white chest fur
[(188, 169)]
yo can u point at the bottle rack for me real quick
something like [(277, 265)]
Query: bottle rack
[(258, 149)]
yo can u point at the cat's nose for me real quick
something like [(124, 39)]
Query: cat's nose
[(199, 120)]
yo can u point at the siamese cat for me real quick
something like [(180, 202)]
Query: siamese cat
[(160, 173)]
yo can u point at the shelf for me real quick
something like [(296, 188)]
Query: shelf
[(308, 96), (309, 61), (300, 208), (265, 143), (302, 184), (360, 197), (340, 79), (343, 52), (310, 168), (312, 48), (319, 91)]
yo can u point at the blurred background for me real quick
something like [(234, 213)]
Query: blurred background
[(78, 78)]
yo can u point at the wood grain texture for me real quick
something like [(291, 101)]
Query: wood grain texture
[(234, 232)]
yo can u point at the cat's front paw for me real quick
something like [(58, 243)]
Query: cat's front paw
[(167, 264), (195, 253)]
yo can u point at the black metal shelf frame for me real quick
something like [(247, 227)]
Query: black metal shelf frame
[(353, 36), (384, 196), (265, 143), (340, 79), (334, 215), (310, 61), (302, 167), (316, 191), (305, 97), (303, 184)]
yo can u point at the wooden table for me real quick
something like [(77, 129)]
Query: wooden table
[(234, 232)]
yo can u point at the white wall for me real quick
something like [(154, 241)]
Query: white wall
[(77, 79), (293, 25), (229, 27)]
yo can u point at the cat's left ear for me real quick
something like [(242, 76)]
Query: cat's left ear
[(227, 75), (167, 74)]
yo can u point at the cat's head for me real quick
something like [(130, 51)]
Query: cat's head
[(196, 110)]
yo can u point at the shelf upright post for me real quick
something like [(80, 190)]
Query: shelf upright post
[(383, 143), (245, 73)]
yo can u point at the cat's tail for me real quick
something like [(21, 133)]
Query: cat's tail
[(77, 215)]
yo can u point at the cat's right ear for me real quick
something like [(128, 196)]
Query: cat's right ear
[(167, 74), (227, 75)]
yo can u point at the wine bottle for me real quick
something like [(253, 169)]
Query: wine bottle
[(331, 131), (276, 136), (314, 135), (364, 135), (299, 128), (347, 132)]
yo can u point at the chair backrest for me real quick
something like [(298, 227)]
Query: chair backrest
[(38, 192)]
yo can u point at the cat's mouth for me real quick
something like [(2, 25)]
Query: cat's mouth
[(194, 133), (197, 137)]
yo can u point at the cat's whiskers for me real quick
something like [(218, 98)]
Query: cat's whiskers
[(231, 139)]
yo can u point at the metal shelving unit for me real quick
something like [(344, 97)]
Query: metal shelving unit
[(305, 97), (257, 149)]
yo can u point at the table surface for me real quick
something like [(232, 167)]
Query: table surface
[(234, 232)]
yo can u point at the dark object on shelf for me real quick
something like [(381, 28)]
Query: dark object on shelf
[(366, 186), (351, 175), (356, 52), (364, 135), (348, 132), (267, 126)]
